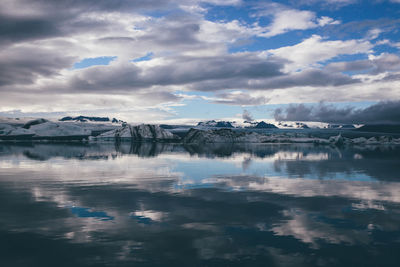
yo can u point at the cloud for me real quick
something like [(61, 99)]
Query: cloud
[(90, 33), (169, 71), (223, 2), (13, 29), (315, 50), (285, 19), (327, 21), (41, 40), (367, 28), (41, 19), (325, 3), (239, 98), (374, 65), (308, 78), (247, 115), (382, 112), (25, 64), (288, 20)]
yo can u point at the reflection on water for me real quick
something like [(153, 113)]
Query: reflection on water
[(222, 205)]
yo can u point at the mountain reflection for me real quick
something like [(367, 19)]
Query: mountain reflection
[(223, 205)]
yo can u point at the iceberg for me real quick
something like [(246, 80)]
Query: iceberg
[(143, 132), (11, 132), (40, 129), (196, 136), (52, 129)]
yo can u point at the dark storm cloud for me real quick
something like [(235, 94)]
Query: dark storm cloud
[(380, 113), (13, 29)]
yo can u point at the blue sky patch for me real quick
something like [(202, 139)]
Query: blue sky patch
[(88, 62), (88, 213)]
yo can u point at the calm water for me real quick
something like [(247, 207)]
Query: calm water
[(169, 205)]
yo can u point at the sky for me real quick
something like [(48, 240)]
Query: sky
[(190, 60)]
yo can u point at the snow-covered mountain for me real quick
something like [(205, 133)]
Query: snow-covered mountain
[(216, 124), (341, 126), (298, 125), (235, 124), (90, 119)]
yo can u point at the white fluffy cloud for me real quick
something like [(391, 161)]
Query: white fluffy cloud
[(286, 19), (315, 49)]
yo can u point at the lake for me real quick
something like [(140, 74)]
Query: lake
[(150, 204)]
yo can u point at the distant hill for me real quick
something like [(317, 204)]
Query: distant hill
[(217, 124), (293, 125), (264, 125), (341, 126), (86, 118)]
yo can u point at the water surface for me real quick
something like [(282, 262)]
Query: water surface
[(222, 205)]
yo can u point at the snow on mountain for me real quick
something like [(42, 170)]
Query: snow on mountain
[(264, 125), (216, 124), (235, 124), (298, 125), (314, 125), (85, 119), (341, 126)]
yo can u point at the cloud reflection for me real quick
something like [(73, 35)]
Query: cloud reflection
[(283, 205)]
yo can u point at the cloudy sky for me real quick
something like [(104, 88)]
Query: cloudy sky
[(176, 61)]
